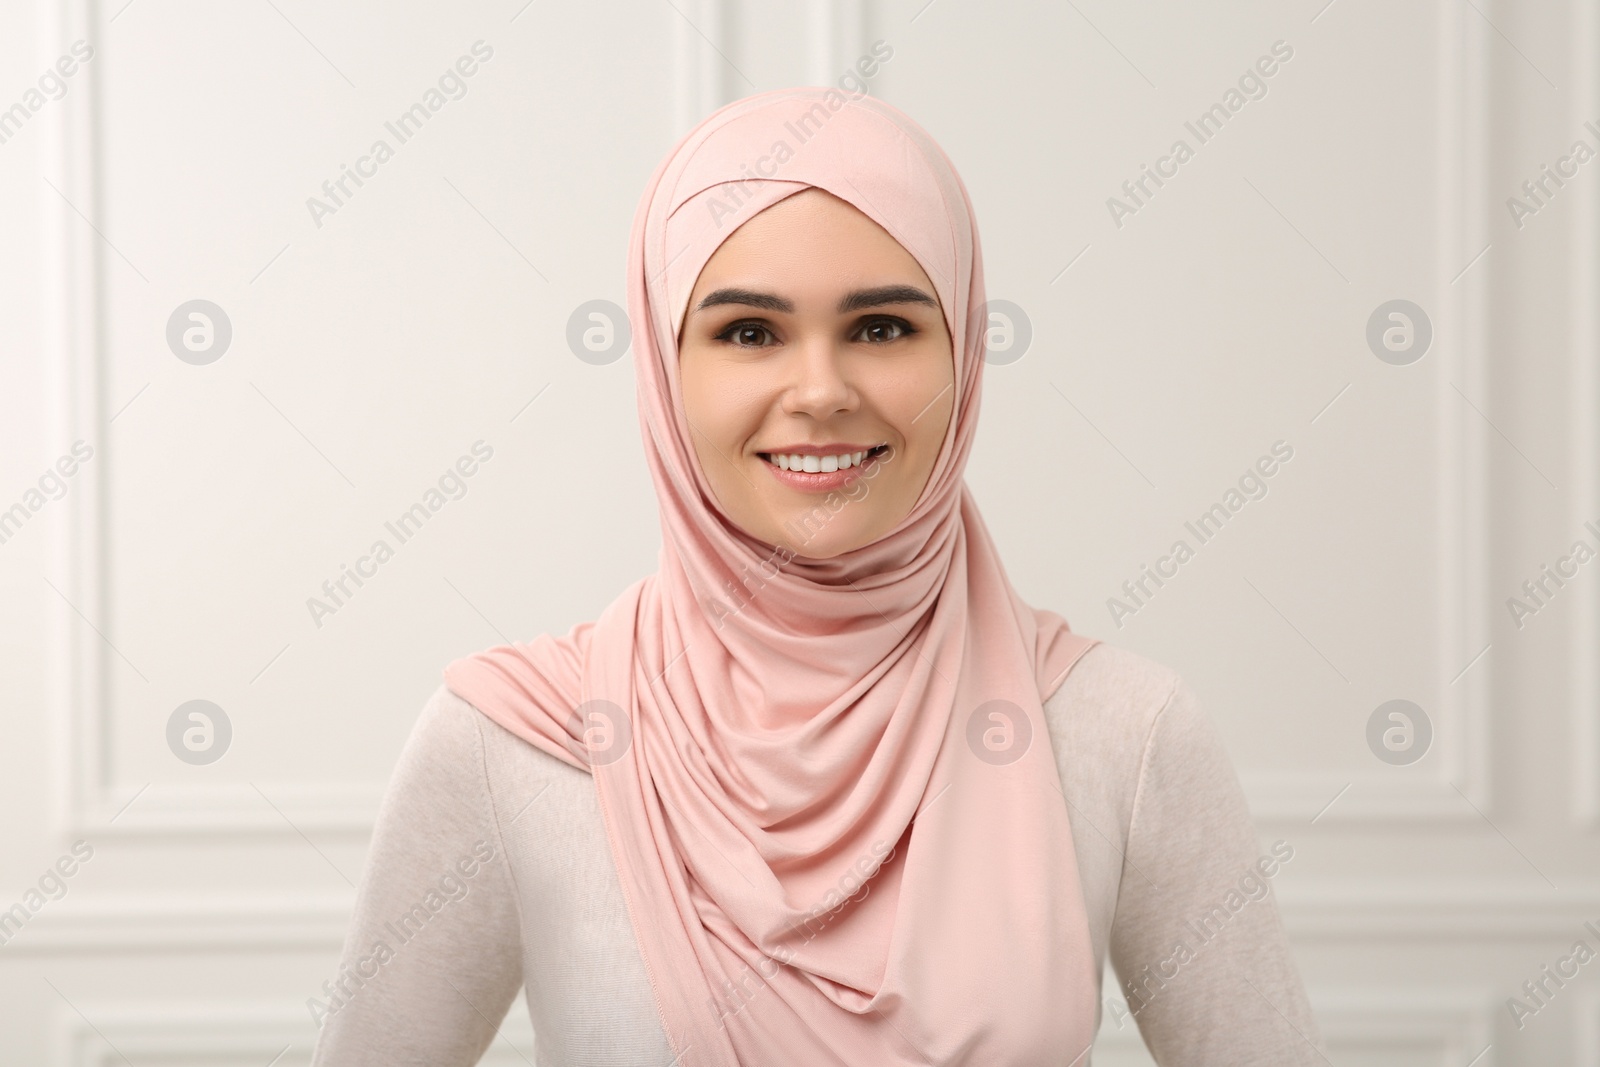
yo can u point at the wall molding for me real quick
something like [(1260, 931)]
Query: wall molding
[(86, 799), (1454, 1023), (234, 1032), (230, 808), (699, 71), (1585, 355), (70, 281), (1586, 1023), (1353, 910), (1426, 794), (81, 667), (89, 800), (836, 35), (161, 924)]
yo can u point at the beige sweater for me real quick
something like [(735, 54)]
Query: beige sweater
[(489, 872)]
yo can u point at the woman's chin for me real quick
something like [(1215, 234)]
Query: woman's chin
[(835, 539)]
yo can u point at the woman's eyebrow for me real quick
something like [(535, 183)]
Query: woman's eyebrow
[(885, 294), (853, 301), (746, 298)]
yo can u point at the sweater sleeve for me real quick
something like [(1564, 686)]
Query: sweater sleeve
[(432, 959), (1197, 943)]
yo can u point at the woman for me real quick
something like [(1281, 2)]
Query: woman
[(823, 790)]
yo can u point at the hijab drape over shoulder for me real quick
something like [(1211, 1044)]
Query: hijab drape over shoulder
[(835, 812)]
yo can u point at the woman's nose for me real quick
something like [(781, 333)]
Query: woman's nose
[(819, 386)]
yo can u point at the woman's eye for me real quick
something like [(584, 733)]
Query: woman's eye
[(881, 331), (745, 334), (755, 335)]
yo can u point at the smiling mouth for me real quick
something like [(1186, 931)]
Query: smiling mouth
[(814, 464)]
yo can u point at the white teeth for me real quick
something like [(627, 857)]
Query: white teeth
[(818, 464)]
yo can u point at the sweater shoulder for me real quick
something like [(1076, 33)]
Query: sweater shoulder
[(1111, 699), (444, 748)]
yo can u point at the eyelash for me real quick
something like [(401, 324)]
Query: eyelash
[(906, 329)]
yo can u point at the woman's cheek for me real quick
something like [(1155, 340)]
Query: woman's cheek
[(925, 410), (713, 405), (742, 402)]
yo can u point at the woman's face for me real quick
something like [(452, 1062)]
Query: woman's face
[(812, 337)]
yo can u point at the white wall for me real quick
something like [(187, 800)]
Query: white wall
[(374, 346)]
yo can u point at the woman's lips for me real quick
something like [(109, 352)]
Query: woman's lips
[(820, 481)]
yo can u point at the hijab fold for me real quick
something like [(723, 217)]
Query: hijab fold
[(828, 789)]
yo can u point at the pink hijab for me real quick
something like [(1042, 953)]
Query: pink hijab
[(834, 810)]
